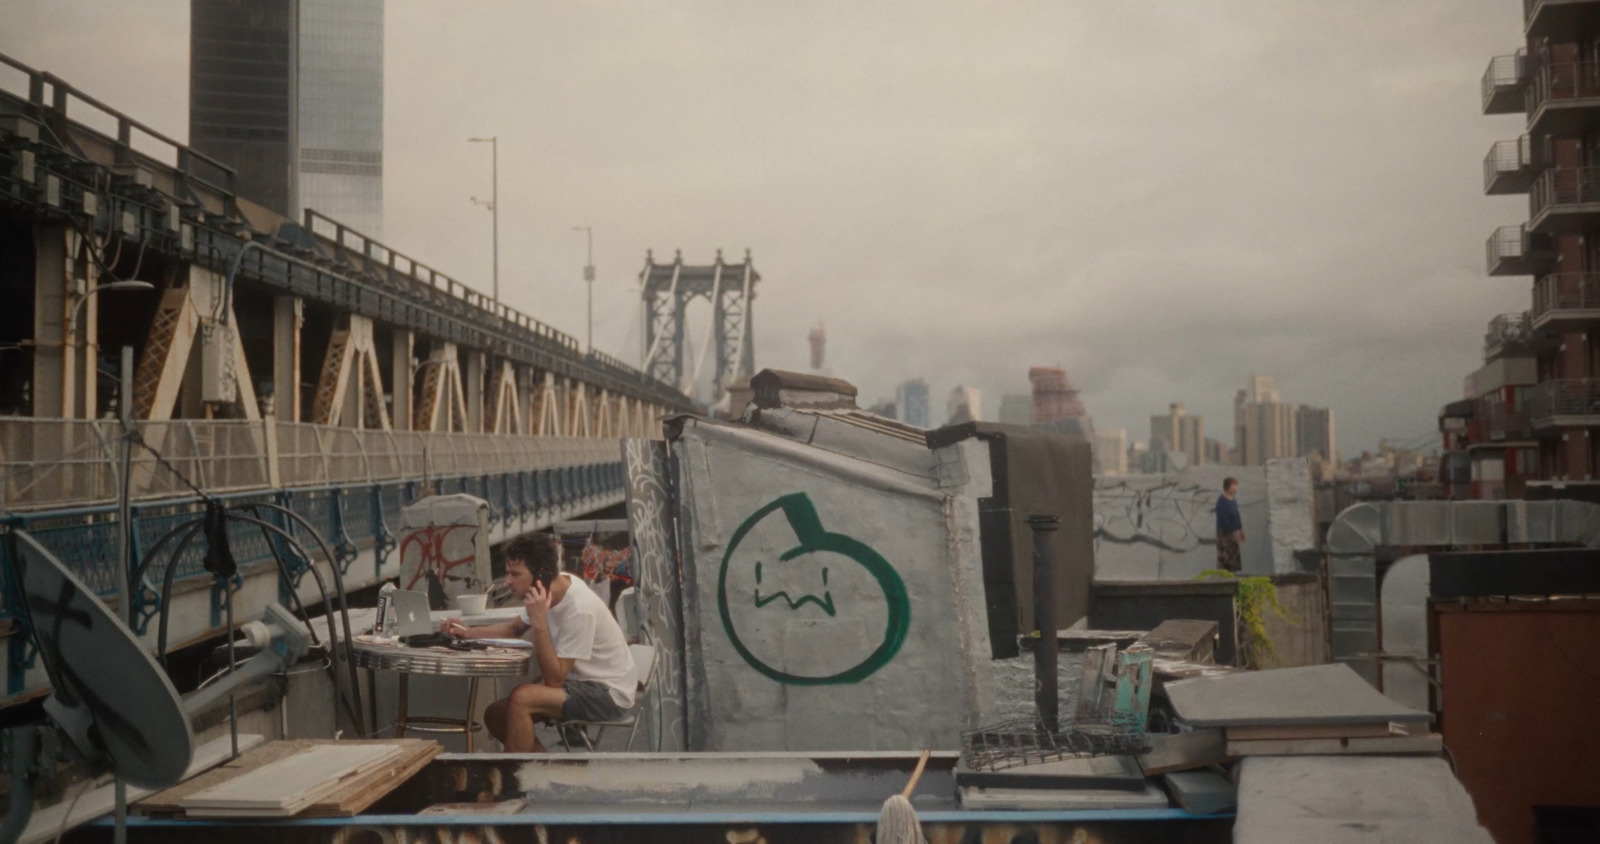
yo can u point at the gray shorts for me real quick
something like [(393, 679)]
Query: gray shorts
[(588, 700)]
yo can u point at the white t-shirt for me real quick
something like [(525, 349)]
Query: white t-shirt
[(582, 630)]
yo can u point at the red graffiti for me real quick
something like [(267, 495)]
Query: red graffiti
[(433, 564)]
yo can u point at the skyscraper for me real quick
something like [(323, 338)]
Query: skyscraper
[(1263, 426), (911, 399), (819, 347), (289, 93), (1111, 451), (965, 405), (1181, 432), (1314, 432), (1054, 397), (1016, 410)]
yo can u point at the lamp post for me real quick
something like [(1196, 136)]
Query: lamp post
[(493, 203), (588, 277)]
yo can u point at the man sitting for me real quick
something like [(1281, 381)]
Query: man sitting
[(585, 668)]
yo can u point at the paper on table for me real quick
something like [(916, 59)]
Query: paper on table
[(506, 643)]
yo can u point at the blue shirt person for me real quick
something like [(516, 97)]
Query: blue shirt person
[(1230, 527)]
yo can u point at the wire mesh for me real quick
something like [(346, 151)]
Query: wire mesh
[(1013, 744)]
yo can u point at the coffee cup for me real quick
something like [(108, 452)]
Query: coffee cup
[(472, 604)]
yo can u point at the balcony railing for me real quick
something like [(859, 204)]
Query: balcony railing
[(1503, 82), (1513, 250), (1555, 402), (1509, 167), (1560, 189), (1507, 332), (1567, 295), (1559, 83)]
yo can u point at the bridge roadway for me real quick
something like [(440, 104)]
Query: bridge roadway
[(413, 381)]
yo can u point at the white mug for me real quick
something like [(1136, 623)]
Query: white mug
[(472, 604)]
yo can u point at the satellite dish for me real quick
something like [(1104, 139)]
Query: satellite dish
[(110, 698)]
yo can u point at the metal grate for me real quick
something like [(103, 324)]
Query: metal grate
[(1013, 744)]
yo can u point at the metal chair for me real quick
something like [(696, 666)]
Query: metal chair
[(644, 668)]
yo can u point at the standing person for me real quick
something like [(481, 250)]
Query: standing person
[(1230, 527), (585, 668)]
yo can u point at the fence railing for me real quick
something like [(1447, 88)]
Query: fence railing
[(1506, 332), (55, 463), (1562, 81), (1566, 292), (1563, 397), (1507, 158), (1514, 248), (1505, 74), (1560, 186)]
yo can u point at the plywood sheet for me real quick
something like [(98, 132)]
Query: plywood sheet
[(1313, 694), (167, 802), (292, 783)]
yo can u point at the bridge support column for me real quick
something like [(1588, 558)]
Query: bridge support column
[(402, 371), (505, 408), (288, 317), (350, 391), (55, 283), (551, 410), (474, 385), (175, 354)]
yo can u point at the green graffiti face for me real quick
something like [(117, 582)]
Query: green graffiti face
[(794, 589)]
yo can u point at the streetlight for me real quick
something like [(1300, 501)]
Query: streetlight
[(493, 203), (588, 276), (72, 318)]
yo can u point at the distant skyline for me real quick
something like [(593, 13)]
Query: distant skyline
[(1163, 199)]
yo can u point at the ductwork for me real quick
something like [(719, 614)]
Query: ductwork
[(1359, 532)]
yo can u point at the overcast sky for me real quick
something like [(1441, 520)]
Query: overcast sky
[(1162, 197)]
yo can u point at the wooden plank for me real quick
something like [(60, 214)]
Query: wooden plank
[(166, 802), (1184, 751), (504, 807), (292, 783), (354, 796), (1202, 792), (1425, 743), (1375, 729), (46, 823)]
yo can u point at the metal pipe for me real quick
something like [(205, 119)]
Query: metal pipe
[(1045, 651)]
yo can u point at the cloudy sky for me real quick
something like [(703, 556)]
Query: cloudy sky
[(1162, 197)]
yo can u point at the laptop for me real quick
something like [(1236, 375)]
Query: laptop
[(411, 614)]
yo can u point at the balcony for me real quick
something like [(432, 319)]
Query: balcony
[(1505, 423), (1563, 99), (1508, 334), (1550, 18), (1566, 300), (1510, 167), (1565, 200), (1503, 82), (1513, 250), (1565, 403)]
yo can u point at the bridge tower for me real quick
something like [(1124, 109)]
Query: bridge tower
[(667, 290)]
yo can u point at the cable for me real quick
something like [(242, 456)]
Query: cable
[(67, 817)]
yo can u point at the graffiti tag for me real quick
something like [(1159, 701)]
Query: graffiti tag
[(813, 545)]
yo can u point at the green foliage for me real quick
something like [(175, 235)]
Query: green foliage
[(1256, 597)]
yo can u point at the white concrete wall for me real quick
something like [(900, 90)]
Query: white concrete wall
[(866, 636), (1161, 527)]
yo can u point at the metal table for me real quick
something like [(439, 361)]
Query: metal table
[(474, 665)]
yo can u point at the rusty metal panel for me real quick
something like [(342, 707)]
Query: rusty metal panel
[(1519, 689)]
